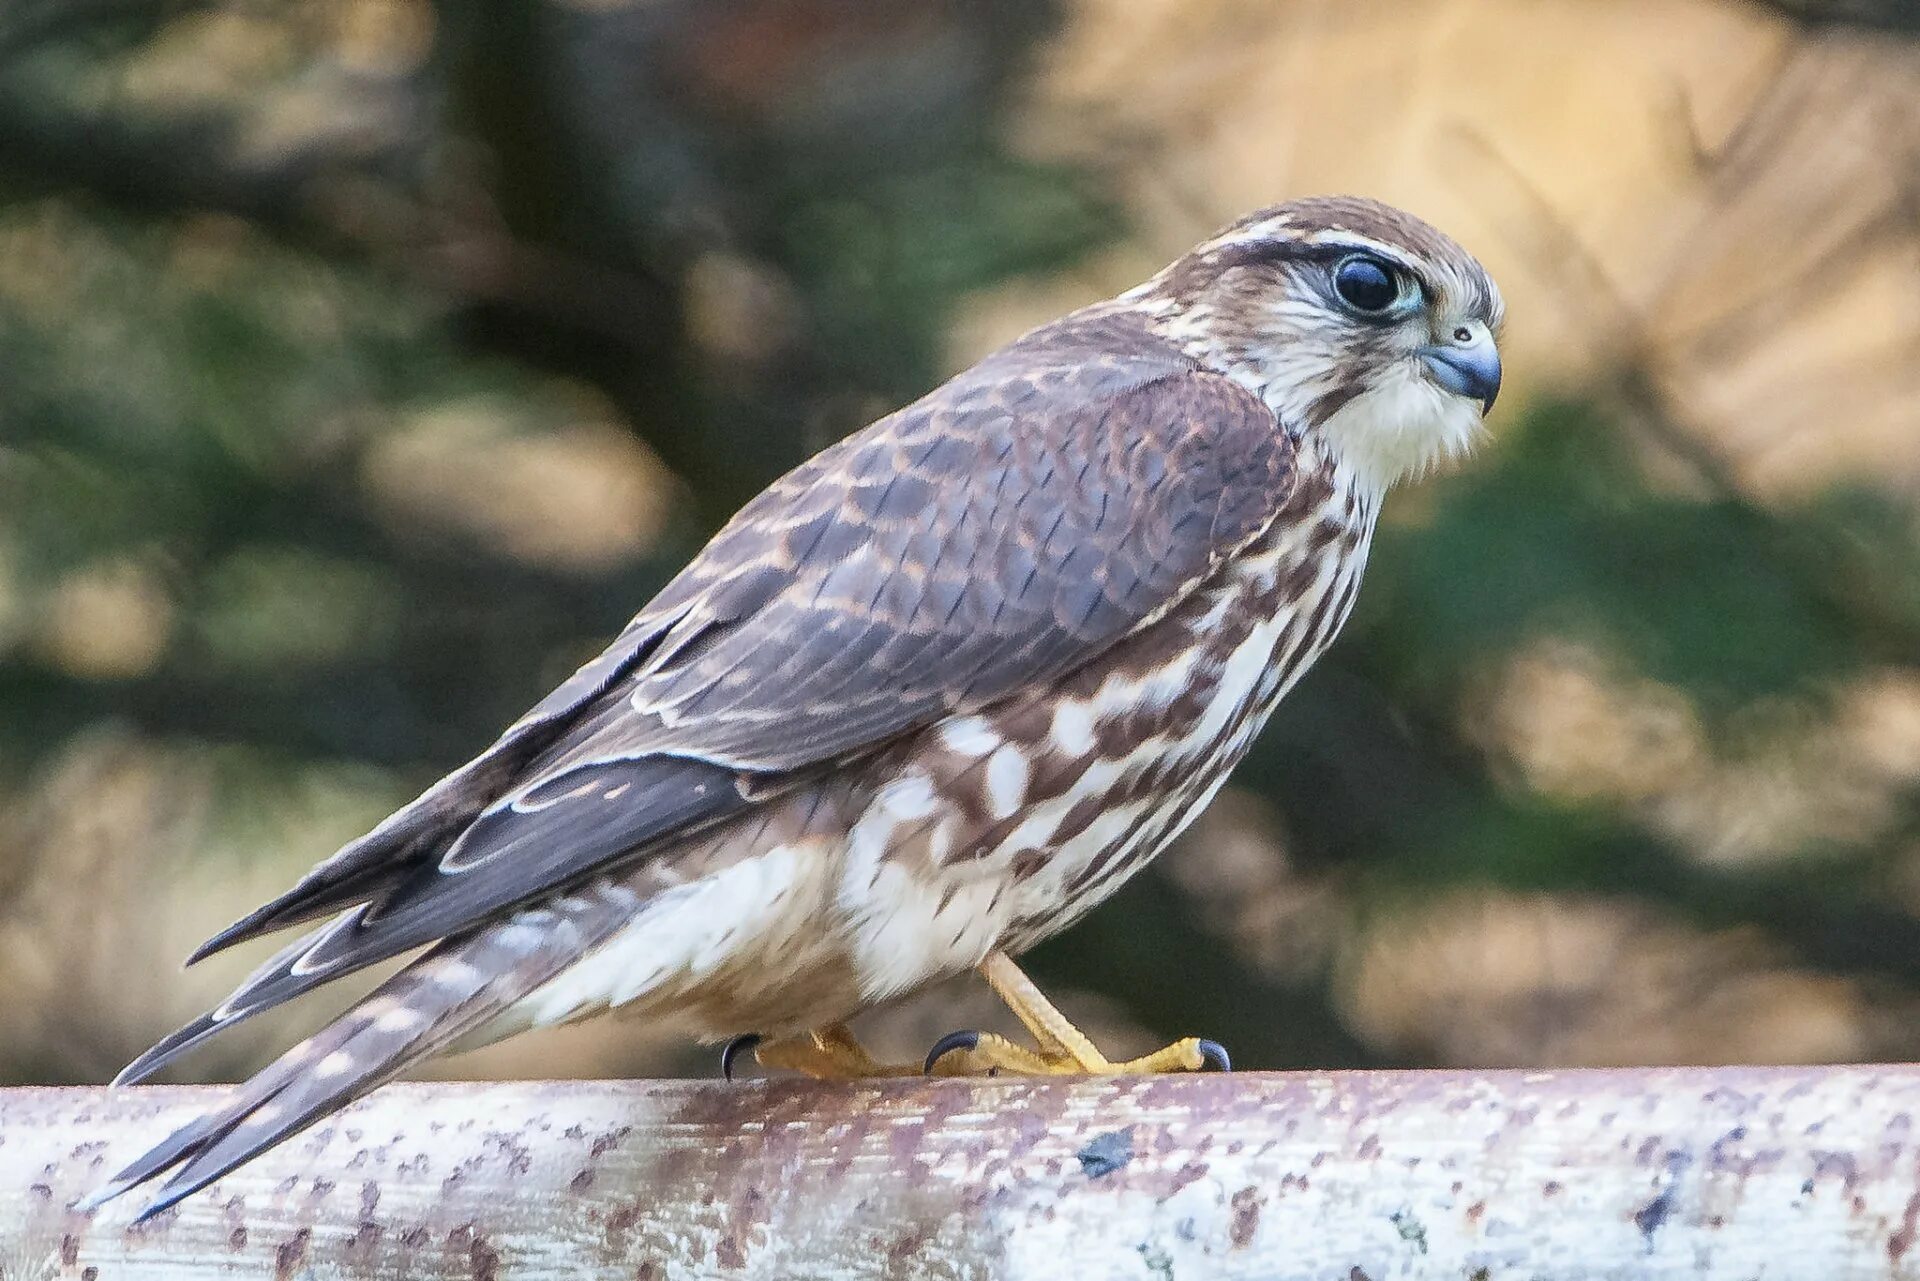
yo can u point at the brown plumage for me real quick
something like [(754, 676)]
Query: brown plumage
[(931, 695)]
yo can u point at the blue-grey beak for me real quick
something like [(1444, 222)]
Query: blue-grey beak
[(1469, 368)]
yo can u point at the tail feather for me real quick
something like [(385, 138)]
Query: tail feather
[(311, 899), (274, 983), (453, 990)]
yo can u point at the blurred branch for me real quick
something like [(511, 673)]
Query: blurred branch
[(1820, 559)]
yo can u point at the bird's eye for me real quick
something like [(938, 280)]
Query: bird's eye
[(1366, 284)]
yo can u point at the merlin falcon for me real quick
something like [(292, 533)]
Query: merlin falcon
[(921, 704)]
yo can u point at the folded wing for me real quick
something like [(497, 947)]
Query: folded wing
[(987, 539)]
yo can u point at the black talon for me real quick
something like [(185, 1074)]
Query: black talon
[(733, 1050), (948, 1044), (1215, 1053)]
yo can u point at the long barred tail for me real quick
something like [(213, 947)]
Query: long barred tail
[(453, 990)]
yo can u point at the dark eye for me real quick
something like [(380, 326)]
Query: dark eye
[(1365, 284)]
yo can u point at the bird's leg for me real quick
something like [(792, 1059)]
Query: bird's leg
[(828, 1053), (1063, 1049)]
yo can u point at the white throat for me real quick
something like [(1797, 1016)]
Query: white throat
[(1400, 428)]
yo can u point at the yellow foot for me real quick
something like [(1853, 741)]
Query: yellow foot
[(1062, 1049), (828, 1054)]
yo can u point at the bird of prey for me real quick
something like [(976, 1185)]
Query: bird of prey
[(922, 703)]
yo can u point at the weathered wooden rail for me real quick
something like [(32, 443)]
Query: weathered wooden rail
[(1734, 1173)]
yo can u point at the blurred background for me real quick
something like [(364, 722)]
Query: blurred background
[(365, 363)]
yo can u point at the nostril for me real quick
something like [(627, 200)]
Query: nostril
[(1463, 335)]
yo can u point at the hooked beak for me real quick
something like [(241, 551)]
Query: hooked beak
[(1467, 368)]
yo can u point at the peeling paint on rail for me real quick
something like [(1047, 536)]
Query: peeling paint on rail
[(1731, 1172)]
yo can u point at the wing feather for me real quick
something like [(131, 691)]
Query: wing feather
[(993, 536)]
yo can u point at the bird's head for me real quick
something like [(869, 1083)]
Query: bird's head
[(1360, 325)]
